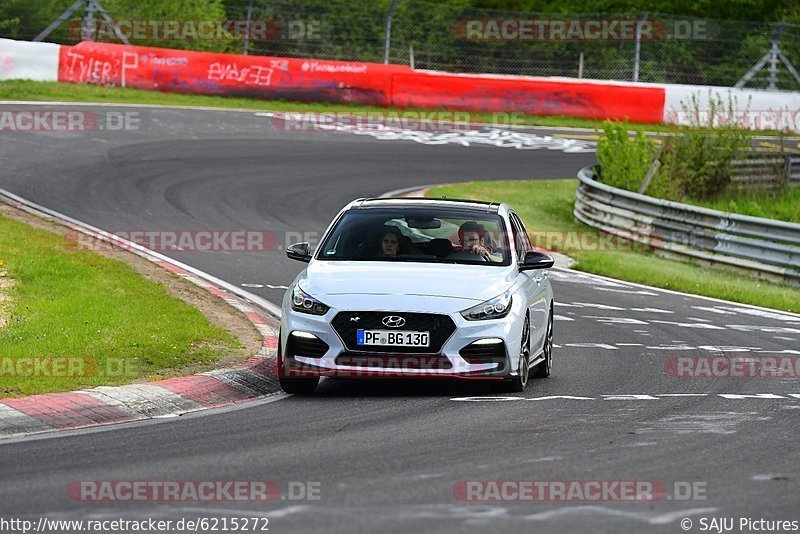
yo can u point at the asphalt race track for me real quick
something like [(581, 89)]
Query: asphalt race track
[(390, 456)]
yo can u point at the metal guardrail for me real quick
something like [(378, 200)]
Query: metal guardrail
[(765, 168), (793, 169), (766, 246)]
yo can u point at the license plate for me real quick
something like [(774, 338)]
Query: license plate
[(393, 338)]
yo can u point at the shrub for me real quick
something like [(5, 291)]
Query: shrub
[(697, 161), (624, 160)]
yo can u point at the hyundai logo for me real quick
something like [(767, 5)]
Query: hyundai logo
[(393, 321)]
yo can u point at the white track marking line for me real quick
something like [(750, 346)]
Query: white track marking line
[(704, 326), (591, 346), (565, 273), (614, 320)]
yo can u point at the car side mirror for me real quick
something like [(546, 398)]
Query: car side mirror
[(299, 252), (536, 260)]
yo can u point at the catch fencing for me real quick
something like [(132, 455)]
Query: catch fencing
[(627, 46)]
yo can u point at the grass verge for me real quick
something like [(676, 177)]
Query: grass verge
[(89, 320), (781, 205), (68, 92), (546, 206)]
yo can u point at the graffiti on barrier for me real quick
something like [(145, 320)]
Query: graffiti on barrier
[(255, 75), (6, 64)]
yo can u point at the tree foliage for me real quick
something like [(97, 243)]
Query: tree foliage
[(738, 34)]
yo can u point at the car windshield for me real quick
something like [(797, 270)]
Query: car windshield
[(418, 234)]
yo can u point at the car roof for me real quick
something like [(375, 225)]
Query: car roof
[(476, 205)]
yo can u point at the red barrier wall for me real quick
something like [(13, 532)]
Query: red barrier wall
[(185, 71), (534, 96)]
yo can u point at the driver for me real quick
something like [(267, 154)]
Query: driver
[(472, 237)]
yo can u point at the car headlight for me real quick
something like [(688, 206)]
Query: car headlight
[(495, 308), (305, 303)]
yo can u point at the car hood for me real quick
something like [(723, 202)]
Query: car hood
[(469, 282)]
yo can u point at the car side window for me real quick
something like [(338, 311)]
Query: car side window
[(526, 242), (521, 243)]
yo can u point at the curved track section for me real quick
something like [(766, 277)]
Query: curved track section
[(192, 170), (390, 455)]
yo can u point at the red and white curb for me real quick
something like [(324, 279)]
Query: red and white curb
[(107, 405)]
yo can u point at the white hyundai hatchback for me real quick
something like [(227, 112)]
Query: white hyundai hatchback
[(419, 288)]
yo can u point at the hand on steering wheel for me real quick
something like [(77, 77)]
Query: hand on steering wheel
[(483, 251)]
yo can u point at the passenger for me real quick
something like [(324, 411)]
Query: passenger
[(390, 242)]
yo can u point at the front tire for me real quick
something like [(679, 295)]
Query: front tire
[(299, 386), (517, 383), (543, 369), (294, 386)]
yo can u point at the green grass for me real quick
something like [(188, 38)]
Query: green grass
[(54, 91), (782, 205), (546, 205), (78, 304)]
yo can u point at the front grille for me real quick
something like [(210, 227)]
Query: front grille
[(399, 362), (303, 346), (484, 353), (441, 327)]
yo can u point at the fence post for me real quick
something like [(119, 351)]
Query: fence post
[(773, 60), (389, 31), (59, 21), (88, 33), (87, 26), (246, 43), (638, 45), (772, 57), (649, 176)]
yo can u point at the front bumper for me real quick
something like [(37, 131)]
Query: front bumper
[(341, 360)]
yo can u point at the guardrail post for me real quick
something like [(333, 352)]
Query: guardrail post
[(649, 176)]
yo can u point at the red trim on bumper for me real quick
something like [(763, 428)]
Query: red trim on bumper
[(306, 370)]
